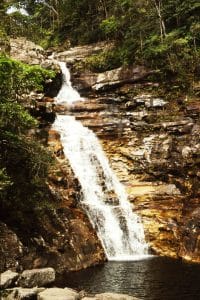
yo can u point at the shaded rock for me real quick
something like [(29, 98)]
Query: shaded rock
[(58, 294), (190, 233), (7, 279), (11, 249), (37, 277), (52, 87)]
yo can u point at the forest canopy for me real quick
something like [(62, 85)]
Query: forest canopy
[(160, 34)]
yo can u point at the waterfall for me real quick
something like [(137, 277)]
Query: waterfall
[(66, 94), (103, 196)]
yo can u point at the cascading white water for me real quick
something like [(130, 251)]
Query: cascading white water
[(104, 198), (66, 94)]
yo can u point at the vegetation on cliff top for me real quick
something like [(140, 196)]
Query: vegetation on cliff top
[(160, 34)]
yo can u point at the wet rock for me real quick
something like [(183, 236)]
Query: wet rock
[(7, 279), (58, 294), (37, 277)]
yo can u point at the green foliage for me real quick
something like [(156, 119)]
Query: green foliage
[(110, 26), (24, 162), (4, 181), (15, 117), (17, 78), (104, 61)]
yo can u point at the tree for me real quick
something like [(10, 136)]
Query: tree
[(23, 161)]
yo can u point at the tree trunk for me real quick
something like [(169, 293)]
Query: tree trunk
[(158, 5)]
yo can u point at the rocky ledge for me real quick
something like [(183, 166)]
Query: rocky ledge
[(32, 285), (154, 147)]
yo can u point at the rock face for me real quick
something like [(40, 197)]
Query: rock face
[(153, 146)]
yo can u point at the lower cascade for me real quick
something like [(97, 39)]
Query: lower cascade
[(103, 196)]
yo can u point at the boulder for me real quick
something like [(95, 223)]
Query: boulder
[(37, 277), (113, 78), (26, 51), (8, 278), (58, 294), (114, 296)]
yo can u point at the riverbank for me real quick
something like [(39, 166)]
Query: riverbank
[(30, 285)]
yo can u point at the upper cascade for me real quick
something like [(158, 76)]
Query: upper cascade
[(66, 95)]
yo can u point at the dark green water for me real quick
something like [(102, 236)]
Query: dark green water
[(153, 279)]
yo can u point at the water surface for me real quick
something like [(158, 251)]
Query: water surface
[(153, 279)]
